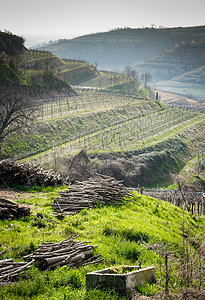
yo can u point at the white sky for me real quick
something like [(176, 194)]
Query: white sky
[(69, 18)]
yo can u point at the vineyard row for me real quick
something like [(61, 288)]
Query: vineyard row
[(132, 133)]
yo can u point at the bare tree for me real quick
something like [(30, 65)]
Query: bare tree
[(15, 113), (146, 78), (131, 72)]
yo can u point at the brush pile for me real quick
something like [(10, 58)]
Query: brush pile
[(85, 195), (12, 210), (23, 173), (68, 252), (10, 270)]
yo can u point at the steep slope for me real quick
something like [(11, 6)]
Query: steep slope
[(77, 72)]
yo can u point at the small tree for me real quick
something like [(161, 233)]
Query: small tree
[(15, 113)]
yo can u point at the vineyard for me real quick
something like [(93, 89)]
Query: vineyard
[(110, 112), (91, 102), (130, 133), (80, 73), (71, 71), (102, 122)]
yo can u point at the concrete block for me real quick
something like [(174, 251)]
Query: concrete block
[(110, 279)]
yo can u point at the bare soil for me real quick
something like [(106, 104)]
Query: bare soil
[(9, 193)]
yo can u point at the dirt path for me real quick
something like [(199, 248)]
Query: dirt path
[(176, 100), (11, 194)]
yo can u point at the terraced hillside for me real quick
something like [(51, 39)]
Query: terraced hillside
[(165, 53), (73, 72), (70, 119), (77, 73), (116, 83), (127, 135)]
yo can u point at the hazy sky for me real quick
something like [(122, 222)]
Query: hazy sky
[(68, 18)]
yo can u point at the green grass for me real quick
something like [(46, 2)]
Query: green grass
[(120, 234)]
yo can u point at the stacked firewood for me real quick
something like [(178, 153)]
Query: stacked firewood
[(68, 252), (12, 210), (100, 189), (23, 173), (10, 270)]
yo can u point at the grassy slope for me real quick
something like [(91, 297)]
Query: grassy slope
[(79, 73), (113, 82), (118, 233), (34, 71)]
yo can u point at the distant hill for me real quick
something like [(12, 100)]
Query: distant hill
[(194, 76), (184, 58), (121, 47)]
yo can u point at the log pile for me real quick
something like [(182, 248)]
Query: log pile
[(12, 210), (23, 173), (68, 252), (85, 195), (10, 270)]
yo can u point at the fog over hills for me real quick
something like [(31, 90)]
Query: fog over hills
[(118, 48), (165, 53)]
